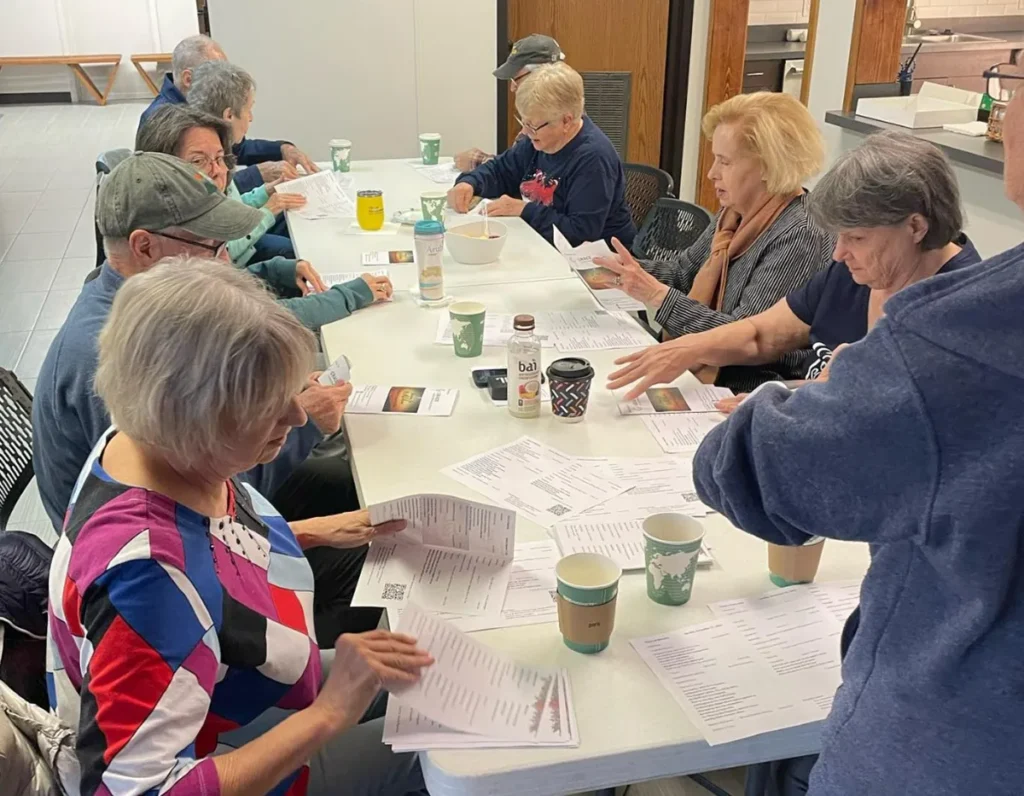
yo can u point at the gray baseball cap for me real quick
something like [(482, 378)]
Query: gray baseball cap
[(534, 50), (153, 191)]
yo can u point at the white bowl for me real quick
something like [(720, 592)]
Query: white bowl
[(468, 247)]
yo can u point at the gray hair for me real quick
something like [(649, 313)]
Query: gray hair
[(219, 85), (195, 350), (190, 53), (164, 130), (552, 88), (884, 181)]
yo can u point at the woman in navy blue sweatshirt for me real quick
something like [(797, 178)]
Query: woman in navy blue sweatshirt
[(564, 172)]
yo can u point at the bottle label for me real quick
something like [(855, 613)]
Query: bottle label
[(524, 386)]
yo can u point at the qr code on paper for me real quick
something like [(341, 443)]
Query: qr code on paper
[(394, 591), (558, 510)]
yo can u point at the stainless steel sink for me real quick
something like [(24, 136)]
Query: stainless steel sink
[(947, 38)]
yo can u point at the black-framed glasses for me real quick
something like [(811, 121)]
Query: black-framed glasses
[(1002, 81), (530, 128), (215, 251)]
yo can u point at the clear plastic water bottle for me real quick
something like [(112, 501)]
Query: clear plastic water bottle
[(524, 369)]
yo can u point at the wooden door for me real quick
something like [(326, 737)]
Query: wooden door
[(607, 35)]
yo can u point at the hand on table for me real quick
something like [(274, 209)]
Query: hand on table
[(470, 159), (307, 279), (380, 286), (631, 278), (276, 170), (363, 664), (505, 206), (659, 364), (296, 157), (325, 404), (460, 196), (728, 405), (279, 202)]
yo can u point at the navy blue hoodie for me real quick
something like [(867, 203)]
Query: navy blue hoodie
[(914, 446), (581, 189)]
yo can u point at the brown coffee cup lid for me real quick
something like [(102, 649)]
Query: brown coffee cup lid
[(523, 322)]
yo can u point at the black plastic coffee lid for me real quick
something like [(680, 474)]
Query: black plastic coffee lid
[(570, 369)]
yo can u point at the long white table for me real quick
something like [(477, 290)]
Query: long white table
[(630, 728), (337, 245)]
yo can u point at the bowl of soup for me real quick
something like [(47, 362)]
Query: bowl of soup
[(476, 243)]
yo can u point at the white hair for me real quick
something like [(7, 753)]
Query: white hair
[(190, 53), (195, 350), (219, 85), (552, 89)]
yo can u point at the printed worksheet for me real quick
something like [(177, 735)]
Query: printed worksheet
[(681, 433), (675, 398), (599, 281), (377, 400), (658, 485), (388, 258), (472, 688), (622, 541), (529, 600), (497, 330), (341, 278), (442, 173), (569, 331), (536, 480), (326, 196), (340, 370), (453, 556)]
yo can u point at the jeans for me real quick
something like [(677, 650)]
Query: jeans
[(270, 246)]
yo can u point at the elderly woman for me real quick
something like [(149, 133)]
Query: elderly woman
[(202, 140), (894, 203), (762, 244), (228, 92), (564, 173), (180, 603)]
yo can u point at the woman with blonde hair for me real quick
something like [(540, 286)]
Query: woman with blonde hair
[(562, 172), (762, 245)]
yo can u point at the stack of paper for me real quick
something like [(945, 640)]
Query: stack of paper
[(475, 697), (672, 399), (599, 281), (376, 400), (681, 433), (341, 278), (442, 173), (325, 194), (569, 331), (765, 664)]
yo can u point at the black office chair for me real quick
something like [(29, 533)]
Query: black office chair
[(105, 163), (671, 228), (15, 443), (644, 186)]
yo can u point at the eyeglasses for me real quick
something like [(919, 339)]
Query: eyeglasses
[(215, 251), (1001, 81), (531, 129), (204, 163)]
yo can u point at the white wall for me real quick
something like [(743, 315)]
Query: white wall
[(776, 12), (692, 136), (377, 73), (927, 9), (85, 27)]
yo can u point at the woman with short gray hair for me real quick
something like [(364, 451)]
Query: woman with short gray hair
[(894, 205), (180, 601)]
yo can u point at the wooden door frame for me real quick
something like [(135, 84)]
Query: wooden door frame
[(882, 22)]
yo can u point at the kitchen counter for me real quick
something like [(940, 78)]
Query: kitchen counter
[(770, 50), (1010, 41), (979, 153)]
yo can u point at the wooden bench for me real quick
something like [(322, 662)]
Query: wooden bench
[(75, 64), (150, 58)]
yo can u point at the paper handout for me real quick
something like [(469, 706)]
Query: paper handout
[(341, 278), (389, 258), (681, 433), (442, 173), (455, 556), (671, 399), (475, 690), (376, 400), (536, 480), (568, 331), (600, 281), (340, 370), (622, 541), (325, 194)]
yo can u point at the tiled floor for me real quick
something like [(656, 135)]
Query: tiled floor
[(47, 243)]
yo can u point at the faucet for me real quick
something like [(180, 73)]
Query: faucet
[(912, 23)]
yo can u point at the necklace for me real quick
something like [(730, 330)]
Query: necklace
[(235, 545)]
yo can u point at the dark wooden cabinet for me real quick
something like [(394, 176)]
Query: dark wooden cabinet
[(960, 69), (762, 76)]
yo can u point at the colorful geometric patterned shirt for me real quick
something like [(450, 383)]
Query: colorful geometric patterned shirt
[(168, 628)]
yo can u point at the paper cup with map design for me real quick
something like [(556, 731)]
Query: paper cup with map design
[(789, 565), (467, 320), (671, 548), (588, 588)]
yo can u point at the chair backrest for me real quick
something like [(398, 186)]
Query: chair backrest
[(644, 186), (15, 442), (671, 228), (105, 163)]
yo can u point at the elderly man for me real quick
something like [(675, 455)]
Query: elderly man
[(267, 160), (151, 207), (527, 54)]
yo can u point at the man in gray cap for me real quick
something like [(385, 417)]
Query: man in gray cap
[(527, 54), (154, 206)]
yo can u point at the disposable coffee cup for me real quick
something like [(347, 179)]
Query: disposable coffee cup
[(789, 565), (588, 587), (430, 148), (341, 153), (432, 204), (570, 379), (671, 549), (467, 320)]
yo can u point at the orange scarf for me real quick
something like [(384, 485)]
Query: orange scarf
[(733, 236)]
